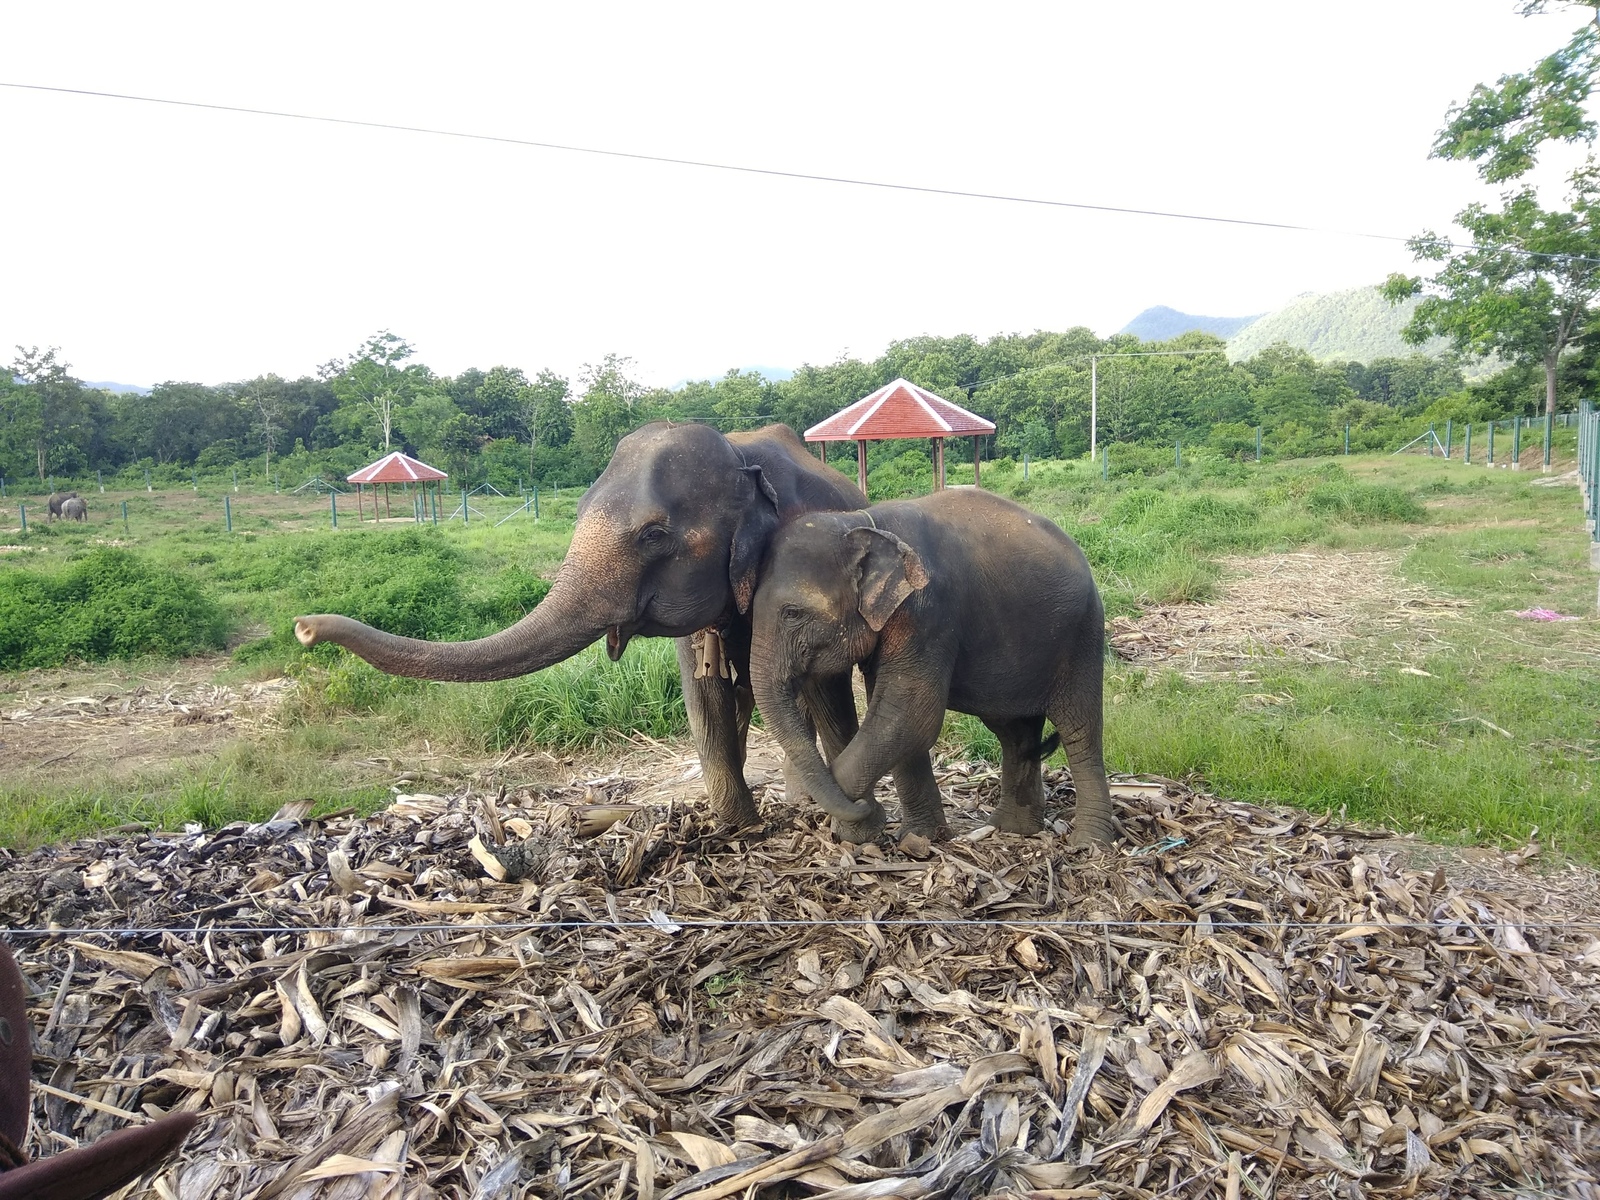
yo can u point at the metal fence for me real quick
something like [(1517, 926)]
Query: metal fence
[(1589, 474)]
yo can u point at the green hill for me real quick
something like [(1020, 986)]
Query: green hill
[(1357, 324), (1160, 324)]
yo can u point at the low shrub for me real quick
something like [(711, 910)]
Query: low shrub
[(107, 604), (1357, 502)]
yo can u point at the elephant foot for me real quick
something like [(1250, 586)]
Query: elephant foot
[(737, 812), (860, 832), (1089, 832), (934, 831), (1018, 818)]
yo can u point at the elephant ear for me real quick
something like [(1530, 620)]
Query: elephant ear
[(758, 517), (887, 571)]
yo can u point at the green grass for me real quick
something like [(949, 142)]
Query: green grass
[(1406, 751)]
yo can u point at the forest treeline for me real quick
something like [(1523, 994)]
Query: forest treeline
[(505, 426)]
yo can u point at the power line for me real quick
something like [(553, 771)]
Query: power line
[(676, 924), (771, 172)]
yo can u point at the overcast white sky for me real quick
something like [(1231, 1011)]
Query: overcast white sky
[(154, 243)]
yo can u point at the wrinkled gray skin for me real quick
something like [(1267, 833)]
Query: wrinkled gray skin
[(74, 509), (958, 600), (667, 542), (56, 500)]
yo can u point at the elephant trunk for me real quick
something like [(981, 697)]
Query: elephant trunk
[(559, 626), (780, 709)]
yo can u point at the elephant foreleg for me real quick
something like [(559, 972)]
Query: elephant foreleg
[(903, 720), (718, 721)]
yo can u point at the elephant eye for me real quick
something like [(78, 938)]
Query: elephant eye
[(654, 537), (791, 612)]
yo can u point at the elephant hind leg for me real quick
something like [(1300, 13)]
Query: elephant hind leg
[(1021, 806), (1080, 719)]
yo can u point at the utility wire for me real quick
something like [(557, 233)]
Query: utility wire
[(675, 924), (772, 172)]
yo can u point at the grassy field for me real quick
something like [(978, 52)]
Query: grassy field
[(1479, 733)]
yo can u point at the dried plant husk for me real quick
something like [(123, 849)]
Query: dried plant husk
[(1237, 1000)]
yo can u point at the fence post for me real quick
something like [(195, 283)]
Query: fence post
[(1549, 427), (1258, 443), (23, 510), (333, 508), (536, 502), (466, 517), (1432, 438), (1489, 462), (1347, 438), (100, 481), (435, 503), (147, 486), (196, 475), (236, 479), (124, 517), (1466, 446), (1516, 442), (227, 512), (1449, 429), (1177, 461)]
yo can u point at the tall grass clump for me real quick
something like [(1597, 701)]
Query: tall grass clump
[(414, 583), (1358, 503), (584, 701), (107, 604)]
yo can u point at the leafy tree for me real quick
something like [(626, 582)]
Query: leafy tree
[(1526, 287), (1501, 128), (49, 410), (375, 383), (544, 415), (497, 401), (607, 410)]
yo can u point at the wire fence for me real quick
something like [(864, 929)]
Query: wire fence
[(243, 498)]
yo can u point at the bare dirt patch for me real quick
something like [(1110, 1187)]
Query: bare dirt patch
[(118, 721), (1306, 607)]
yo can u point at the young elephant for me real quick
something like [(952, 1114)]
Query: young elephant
[(74, 509), (958, 600)]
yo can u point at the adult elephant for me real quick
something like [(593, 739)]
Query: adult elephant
[(56, 500), (668, 542), (74, 509)]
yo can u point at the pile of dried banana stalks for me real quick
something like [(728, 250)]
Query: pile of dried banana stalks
[(558, 993)]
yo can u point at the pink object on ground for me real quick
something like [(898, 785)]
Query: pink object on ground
[(1543, 614)]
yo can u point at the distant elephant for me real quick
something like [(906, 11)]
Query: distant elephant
[(56, 500), (668, 543), (74, 509), (959, 600)]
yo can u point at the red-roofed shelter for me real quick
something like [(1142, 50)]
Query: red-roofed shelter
[(901, 409), (393, 468)]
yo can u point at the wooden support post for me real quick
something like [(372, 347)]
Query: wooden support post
[(861, 464), (977, 455)]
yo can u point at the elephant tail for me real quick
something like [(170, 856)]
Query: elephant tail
[(1050, 745)]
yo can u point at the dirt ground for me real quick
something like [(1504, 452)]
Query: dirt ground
[(124, 721), (1308, 606)]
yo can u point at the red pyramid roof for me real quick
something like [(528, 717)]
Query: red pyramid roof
[(397, 468), (899, 410)]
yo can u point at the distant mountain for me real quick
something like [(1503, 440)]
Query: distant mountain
[(1160, 323), (119, 387), (1358, 324), (770, 374)]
